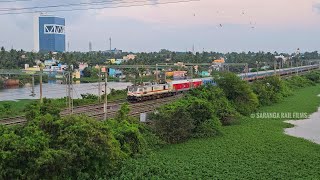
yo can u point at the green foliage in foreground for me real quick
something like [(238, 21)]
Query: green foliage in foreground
[(76, 147), (255, 149)]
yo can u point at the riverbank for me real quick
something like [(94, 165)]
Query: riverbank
[(256, 148)]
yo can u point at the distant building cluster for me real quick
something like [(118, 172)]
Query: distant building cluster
[(114, 51)]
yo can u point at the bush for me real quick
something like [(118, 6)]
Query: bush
[(203, 114), (313, 76), (222, 107), (238, 92), (299, 82), (270, 90), (188, 117), (134, 138), (173, 124), (48, 106)]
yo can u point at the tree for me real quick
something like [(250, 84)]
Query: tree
[(86, 72), (173, 124), (238, 92), (222, 107)]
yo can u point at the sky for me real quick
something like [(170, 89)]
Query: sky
[(209, 25)]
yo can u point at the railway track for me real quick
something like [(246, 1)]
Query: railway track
[(96, 110)]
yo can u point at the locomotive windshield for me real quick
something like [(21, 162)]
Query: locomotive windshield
[(132, 89)]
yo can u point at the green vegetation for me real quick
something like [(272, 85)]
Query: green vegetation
[(13, 108), (238, 92), (271, 90), (254, 149)]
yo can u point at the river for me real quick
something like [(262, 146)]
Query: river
[(308, 128), (56, 90)]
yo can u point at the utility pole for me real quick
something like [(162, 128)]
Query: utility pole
[(71, 89), (157, 77), (247, 70), (32, 91), (69, 92), (191, 77), (41, 71), (105, 94), (110, 43), (275, 67), (67, 88), (99, 88), (257, 69)]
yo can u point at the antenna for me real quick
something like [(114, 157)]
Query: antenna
[(110, 43), (193, 48)]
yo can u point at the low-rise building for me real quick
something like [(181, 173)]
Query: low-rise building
[(219, 61), (129, 57), (76, 74), (82, 66), (283, 58)]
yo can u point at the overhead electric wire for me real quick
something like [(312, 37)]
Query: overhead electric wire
[(104, 7), (63, 5), (7, 1)]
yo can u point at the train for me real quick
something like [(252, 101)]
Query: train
[(149, 91), (281, 72)]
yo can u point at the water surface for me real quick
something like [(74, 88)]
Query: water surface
[(308, 128), (56, 90)]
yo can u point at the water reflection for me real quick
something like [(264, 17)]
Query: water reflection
[(56, 89)]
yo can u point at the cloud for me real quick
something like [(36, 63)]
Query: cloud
[(316, 7)]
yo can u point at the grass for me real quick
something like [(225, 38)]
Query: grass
[(16, 108), (253, 149)]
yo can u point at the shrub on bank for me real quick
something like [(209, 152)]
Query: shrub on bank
[(313, 76), (270, 90), (299, 82), (186, 118)]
